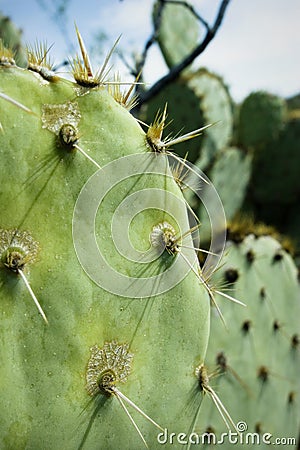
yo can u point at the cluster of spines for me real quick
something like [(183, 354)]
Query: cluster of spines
[(18, 249), (107, 367)]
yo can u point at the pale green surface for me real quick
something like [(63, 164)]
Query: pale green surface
[(179, 33), (230, 176), (216, 105), (42, 373), (250, 400)]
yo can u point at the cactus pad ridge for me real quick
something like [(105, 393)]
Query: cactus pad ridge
[(39, 61)]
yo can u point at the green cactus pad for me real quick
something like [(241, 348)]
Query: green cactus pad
[(179, 32), (275, 170), (230, 175), (150, 344), (258, 357), (261, 118), (216, 105), (293, 103)]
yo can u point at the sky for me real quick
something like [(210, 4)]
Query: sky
[(256, 48)]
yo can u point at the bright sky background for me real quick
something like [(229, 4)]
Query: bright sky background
[(257, 46)]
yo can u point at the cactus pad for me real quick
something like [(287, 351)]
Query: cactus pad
[(178, 33), (261, 117), (102, 371), (257, 359)]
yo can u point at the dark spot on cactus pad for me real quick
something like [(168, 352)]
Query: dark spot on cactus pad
[(234, 235), (250, 256), (246, 326), (231, 275), (262, 293), (68, 136), (106, 382), (221, 361), (206, 438), (258, 428), (87, 82), (291, 397), (263, 373), (276, 325), (203, 382), (278, 256), (295, 341)]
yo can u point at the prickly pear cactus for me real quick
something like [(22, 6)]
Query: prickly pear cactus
[(284, 154), (258, 357), (273, 191), (217, 106), (261, 118), (99, 347), (178, 31)]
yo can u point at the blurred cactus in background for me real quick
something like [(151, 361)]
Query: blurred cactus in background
[(11, 37)]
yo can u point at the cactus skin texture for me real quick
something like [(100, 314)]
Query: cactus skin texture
[(258, 358), (45, 401)]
